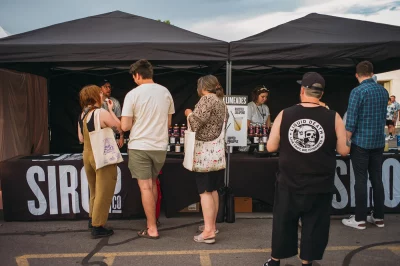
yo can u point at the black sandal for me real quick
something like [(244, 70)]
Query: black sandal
[(143, 233)]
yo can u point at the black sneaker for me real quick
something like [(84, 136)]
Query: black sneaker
[(90, 226), (272, 262), (100, 231)]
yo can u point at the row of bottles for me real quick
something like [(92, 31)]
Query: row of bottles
[(176, 136), (258, 133)]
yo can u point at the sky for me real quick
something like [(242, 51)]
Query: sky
[(227, 20)]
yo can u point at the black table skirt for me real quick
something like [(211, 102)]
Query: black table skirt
[(51, 187)]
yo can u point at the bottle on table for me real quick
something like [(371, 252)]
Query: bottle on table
[(261, 146), (251, 132), (176, 131), (178, 147), (171, 135), (182, 139), (257, 134), (264, 133)]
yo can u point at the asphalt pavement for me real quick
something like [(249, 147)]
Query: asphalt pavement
[(245, 242)]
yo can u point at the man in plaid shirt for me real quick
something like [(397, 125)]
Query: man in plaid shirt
[(365, 125)]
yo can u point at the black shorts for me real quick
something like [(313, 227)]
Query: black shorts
[(314, 212), (209, 182), (389, 123)]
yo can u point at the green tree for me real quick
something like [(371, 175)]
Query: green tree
[(165, 21)]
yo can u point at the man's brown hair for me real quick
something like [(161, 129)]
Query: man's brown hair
[(364, 69), (143, 68)]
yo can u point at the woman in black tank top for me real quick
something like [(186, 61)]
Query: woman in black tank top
[(101, 181)]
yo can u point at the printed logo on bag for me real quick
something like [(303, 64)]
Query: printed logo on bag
[(107, 146), (306, 135)]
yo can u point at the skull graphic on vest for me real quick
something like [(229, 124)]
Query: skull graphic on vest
[(306, 135)]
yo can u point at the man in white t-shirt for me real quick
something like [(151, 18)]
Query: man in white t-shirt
[(147, 113)]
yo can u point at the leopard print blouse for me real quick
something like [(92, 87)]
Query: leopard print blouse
[(208, 117)]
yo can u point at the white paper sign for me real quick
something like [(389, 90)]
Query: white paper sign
[(236, 134)]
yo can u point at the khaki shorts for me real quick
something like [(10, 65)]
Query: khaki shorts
[(146, 164)]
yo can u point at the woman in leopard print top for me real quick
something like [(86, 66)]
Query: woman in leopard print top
[(207, 121), (208, 117)]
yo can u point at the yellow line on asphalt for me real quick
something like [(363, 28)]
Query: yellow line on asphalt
[(109, 260), (205, 259), (204, 254)]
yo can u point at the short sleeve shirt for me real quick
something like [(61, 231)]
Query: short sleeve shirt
[(257, 114), (116, 108), (391, 111), (149, 105)]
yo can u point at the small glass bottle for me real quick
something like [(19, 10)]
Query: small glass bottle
[(178, 147), (256, 138), (176, 131), (261, 146)]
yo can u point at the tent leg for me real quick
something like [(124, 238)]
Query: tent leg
[(228, 92)]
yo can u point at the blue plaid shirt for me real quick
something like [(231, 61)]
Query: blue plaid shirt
[(366, 115)]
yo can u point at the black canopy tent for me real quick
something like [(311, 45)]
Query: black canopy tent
[(322, 41), (80, 52), (330, 45)]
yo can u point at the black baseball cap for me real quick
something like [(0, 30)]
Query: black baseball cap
[(312, 80), (102, 82)]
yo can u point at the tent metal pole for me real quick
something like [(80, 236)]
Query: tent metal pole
[(228, 92), (48, 111)]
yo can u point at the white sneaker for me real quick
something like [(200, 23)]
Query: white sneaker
[(387, 138), (351, 222), (375, 221), (391, 137)]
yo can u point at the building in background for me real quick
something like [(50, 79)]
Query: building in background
[(391, 82), (3, 33)]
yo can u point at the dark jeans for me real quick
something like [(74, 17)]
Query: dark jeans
[(368, 161)]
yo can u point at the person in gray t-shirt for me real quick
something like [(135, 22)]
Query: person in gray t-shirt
[(106, 89), (105, 86)]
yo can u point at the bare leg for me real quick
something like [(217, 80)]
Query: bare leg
[(208, 206), (216, 204), (149, 205)]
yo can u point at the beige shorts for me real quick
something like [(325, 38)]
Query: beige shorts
[(146, 164)]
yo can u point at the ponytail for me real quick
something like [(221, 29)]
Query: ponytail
[(211, 84), (219, 91)]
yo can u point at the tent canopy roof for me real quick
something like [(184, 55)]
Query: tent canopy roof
[(114, 36), (320, 40)]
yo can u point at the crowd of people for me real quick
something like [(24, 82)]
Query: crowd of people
[(308, 136)]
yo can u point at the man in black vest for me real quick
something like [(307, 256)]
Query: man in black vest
[(307, 136)]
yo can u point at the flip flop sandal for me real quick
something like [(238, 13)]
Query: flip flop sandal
[(200, 239), (201, 229), (143, 233)]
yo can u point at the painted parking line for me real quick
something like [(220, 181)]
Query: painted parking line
[(204, 255)]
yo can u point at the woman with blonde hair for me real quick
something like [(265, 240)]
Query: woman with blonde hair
[(101, 181), (207, 121)]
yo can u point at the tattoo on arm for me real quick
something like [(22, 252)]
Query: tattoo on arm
[(114, 128)]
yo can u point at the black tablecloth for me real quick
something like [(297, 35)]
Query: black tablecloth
[(52, 187)]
